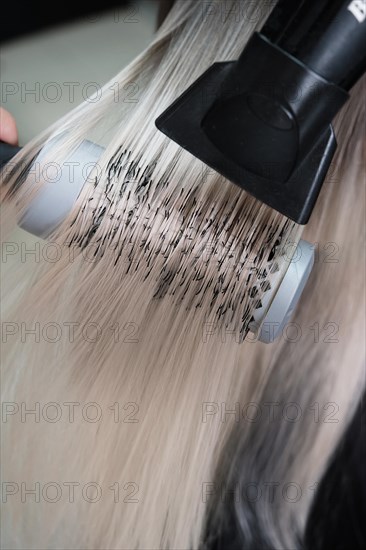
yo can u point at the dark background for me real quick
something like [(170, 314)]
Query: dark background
[(20, 17)]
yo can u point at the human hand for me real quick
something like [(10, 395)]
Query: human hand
[(8, 128)]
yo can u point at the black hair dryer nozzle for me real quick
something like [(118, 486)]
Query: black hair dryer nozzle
[(264, 121)]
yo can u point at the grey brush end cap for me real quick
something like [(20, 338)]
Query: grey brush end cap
[(269, 326)]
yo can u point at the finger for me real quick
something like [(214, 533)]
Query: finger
[(8, 128)]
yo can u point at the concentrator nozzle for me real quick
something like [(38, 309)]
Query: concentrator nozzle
[(264, 121)]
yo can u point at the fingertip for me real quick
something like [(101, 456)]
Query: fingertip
[(8, 128)]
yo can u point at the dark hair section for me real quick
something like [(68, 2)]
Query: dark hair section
[(337, 516)]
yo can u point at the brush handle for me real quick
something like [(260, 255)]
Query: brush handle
[(7, 152), (328, 36)]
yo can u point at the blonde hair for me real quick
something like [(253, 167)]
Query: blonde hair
[(162, 263)]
